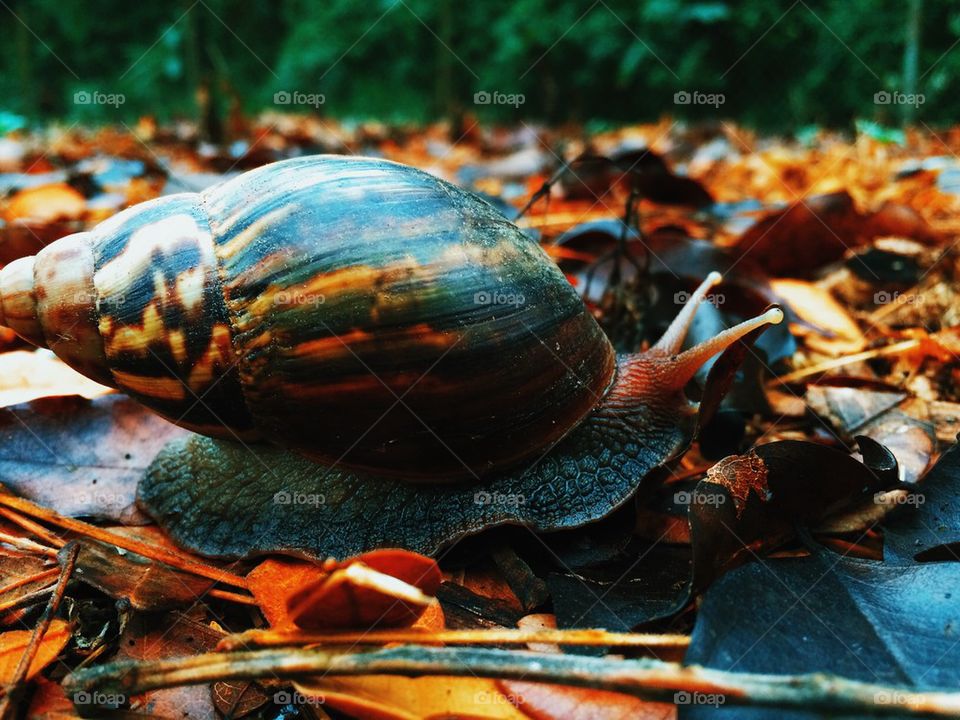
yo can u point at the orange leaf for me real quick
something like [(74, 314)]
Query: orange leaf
[(384, 697), (14, 643), (46, 203), (50, 702), (273, 581), (560, 702), (383, 588)]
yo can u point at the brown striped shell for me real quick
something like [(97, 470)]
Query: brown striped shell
[(355, 310)]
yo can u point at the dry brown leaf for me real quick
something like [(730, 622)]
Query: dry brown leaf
[(840, 333), (50, 702), (540, 621), (558, 702), (382, 588), (14, 642), (26, 375), (273, 581), (147, 584), (383, 697), (156, 637), (46, 203)]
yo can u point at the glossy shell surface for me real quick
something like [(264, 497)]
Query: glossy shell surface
[(361, 312)]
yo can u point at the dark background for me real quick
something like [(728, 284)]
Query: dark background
[(780, 66)]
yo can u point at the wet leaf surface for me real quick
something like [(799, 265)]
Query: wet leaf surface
[(825, 613), (14, 642), (929, 526), (755, 501), (81, 457), (146, 584)]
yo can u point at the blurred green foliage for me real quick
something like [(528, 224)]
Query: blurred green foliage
[(779, 65)]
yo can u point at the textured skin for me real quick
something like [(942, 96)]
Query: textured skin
[(222, 499), (361, 312)]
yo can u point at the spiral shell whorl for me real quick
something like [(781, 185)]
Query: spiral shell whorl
[(135, 304)]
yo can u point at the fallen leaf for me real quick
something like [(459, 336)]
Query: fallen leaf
[(927, 524), (45, 203), (382, 588), (275, 580), (829, 328), (147, 584), (558, 702), (379, 697), (50, 702), (153, 637), (849, 408), (804, 236), (81, 457), (30, 375), (751, 502), (865, 620), (13, 643)]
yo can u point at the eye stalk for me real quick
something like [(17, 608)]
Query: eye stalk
[(675, 368)]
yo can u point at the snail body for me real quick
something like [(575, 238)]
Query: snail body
[(357, 311)]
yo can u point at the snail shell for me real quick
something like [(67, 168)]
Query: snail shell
[(355, 310)]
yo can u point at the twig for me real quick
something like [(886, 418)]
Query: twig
[(27, 544), (37, 577), (30, 526), (25, 600), (175, 560), (841, 361), (232, 597), (645, 678), (15, 688), (279, 638)]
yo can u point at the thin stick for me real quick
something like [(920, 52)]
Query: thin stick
[(175, 560), (25, 600), (27, 544), (645, 678), (232, 597), (15, 687), (30, 526), (841, 361), (279, 638), (37, 577)]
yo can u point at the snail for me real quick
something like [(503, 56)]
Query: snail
[(357, 311)]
